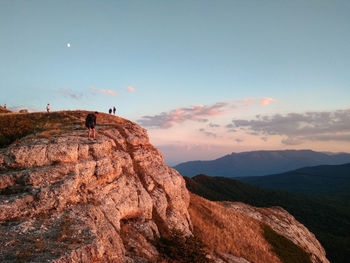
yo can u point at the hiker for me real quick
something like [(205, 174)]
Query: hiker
[(110, 111), (90, 123), (114, 109), (5, 106), (48, 107)]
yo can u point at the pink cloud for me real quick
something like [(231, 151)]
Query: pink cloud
[(131, 89), (267, 101), (248, 100), (245, 103), (198, 113), (110, 92)]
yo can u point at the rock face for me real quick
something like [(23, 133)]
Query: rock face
[(65, 198), (285, 224), (68, 199)]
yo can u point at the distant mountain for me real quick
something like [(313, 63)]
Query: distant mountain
[(309, 180), (327, 216), (260, 163)]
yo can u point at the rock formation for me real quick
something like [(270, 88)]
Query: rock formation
[(68, 199), (285, 224), (65, 198)]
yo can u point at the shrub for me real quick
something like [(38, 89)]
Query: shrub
[(178, 248), (285, 249)]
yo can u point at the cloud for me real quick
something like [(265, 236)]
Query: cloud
[(70, 93), (231, 127), (291, 141), (110, 92), (202, 120), (300, 127), (239, 140), (248, 100), (214, 125), (21, 107), (131, 89), (267, 101), (208, 133), (197, 113)]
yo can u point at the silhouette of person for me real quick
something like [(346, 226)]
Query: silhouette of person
[(110, 111), (114, 109), (90, 123)]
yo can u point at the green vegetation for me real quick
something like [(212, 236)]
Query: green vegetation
[(327, 216), (285, 249), (181, 249)]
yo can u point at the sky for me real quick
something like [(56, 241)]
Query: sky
[(205, 78)]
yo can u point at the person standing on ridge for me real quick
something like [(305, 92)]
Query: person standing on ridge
[(114, 109), (90, 123), (110, 111), (5, 106), (48, 107)]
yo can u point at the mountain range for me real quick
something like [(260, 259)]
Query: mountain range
[(259, 163), (309, 180)]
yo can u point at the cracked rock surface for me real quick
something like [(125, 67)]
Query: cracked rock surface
[(69, 199)]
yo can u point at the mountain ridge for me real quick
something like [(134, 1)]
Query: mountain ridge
[(309, 180), (259, 163)]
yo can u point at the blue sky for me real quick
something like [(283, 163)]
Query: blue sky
[(176, 55)]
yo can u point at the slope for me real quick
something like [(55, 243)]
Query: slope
[(328, 217)]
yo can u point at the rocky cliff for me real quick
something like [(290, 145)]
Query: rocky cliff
[(65, 198), (285, 224)]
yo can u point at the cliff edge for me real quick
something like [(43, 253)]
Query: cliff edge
[(64, 198)]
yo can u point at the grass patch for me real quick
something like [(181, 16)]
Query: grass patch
[(225, 231), (15, 126), (181, 249), (285, 249)]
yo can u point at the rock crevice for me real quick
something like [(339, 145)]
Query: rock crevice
[(65, 198), (80, 197)]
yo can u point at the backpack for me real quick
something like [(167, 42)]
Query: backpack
[(89, 119)]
